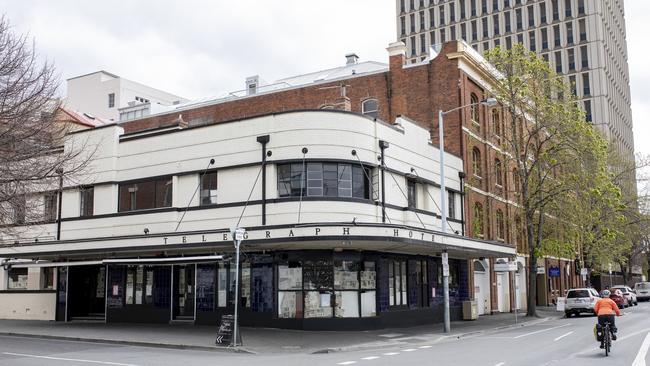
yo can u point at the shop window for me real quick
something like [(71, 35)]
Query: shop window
[(323, 180), (397, 283), (50, 206), (418, 283), (205, 287), (47, 278), (87, 198), (290, 290), (318, 279), (17, 279), (145, 195), (209, 188), (262, 284)]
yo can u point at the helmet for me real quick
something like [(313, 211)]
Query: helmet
[(606, 293)]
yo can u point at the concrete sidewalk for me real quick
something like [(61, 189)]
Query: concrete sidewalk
[(259, 340)]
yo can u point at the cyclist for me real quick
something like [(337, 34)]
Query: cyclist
[(607, 310)]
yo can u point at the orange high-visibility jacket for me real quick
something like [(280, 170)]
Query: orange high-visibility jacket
[(607, 306)]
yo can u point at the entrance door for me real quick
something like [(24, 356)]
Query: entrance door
[(503, 292), (86, 292), (482, 287), (184, 281)]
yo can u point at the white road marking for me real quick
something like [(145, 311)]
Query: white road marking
[(643, 351), (423, 347), (370, 358), (67, 359), (391, 335), (346, 363), (541, 331), (500, 364), (391, 353), (409, 350), (562, 336)]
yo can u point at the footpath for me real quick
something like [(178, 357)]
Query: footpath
[(263, 340)]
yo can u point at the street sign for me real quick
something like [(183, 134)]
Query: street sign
[(238, 234), (225, 332), (541, 269), (584, 271), (554, 272), (505, 267)]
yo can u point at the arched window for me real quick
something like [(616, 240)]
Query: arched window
[(476, 162), (518, 232), (474, 108), (370, 107), (479, 266), (477, 226), (498, 171), (515, 180), (327, 106), (500, 225), (496, 122)]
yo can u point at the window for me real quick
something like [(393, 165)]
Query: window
[(397, 294), (472, 7), (47, 278), (531, 16), (402, 22), (441, 15), (413, 49), (50, 206), (474, 30), (18, 206), (476, 162), (462, 9), (532, 41), (558, 62), (556, 35), (17, 279), (432, 18), (111, 100), (324, 180), (474, 108), (572, 84), (463, 31), (582, 28), (495, 5), (452, 12), (354, 285), (581, 7), (145, 194), (496, 122), (484, 6), (569, 33), (443, 37), (507, 19), (485, 29), (402, 8), (412, 18), (544, 38), (209, 188), (519, 19), (583, 57), (586, 90), (423, 45), (542, 12), (370, 107), (588, 116), (516, 180), (495, 20), (555, 10), (500, 225), (451, 206), (478, 220), (411, 193), (422, 21), (572, 59), (86, 207), (498, 172), (567, 8), (418, 281)]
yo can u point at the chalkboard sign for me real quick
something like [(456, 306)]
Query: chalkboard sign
[(226, 328)]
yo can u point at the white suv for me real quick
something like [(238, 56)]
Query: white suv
[(628, 293), (580, 300), (642, 290)]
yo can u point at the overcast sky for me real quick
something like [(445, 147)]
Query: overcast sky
[(202, 48)]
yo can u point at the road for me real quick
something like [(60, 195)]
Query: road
[(553, 342)]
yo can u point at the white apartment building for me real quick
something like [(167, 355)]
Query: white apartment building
[(583, 39), (102, 94), (333, 240)]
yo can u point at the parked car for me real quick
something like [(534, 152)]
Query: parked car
[(580, 300), (642, 290), (628, 293), (619, 299)]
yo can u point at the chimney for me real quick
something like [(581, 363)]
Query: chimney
[(396, 55), (252, 83), (351, 59)]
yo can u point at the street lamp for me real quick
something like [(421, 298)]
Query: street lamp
[(490, 102)]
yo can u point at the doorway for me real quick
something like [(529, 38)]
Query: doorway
[(503, 292), (482, 287), (184, 292), (86, 293)]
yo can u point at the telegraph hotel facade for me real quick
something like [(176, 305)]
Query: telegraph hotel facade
[(341, 212)]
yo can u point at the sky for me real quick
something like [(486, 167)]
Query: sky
[(196, 48)]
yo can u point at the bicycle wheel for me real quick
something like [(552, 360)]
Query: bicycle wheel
[(608, 340)]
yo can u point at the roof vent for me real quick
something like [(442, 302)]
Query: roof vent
[(351, 58), (252, 83)]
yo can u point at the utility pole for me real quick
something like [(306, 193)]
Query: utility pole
[(238, 236)]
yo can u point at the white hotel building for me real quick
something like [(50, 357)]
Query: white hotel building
[(333, 240)]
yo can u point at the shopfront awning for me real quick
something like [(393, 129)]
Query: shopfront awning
[(146, 261), (332, 236)]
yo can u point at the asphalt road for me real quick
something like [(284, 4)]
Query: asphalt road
[(553, 342)]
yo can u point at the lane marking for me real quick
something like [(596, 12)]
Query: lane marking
[(541, 331), (500, 364), (643, 351), (391, 353), (409, 350), (67, 359), (346, 363), (562, 336), (423, 347), (370, 358)]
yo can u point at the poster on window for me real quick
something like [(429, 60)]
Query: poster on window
[(129, 288)]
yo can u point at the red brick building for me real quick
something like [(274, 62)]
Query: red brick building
[(456, 76)]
